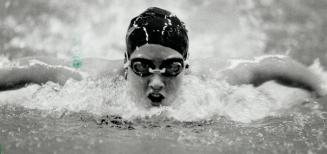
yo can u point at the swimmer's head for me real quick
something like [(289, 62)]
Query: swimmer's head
[(157, 47), (157, 26)]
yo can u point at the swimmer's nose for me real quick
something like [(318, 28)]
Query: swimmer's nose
[(156, 83)]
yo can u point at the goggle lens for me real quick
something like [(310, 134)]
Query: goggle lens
[(173, 69), (140, 68)]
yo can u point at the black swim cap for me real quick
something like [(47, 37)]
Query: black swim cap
[(157, 26)]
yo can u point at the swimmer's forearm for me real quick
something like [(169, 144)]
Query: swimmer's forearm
[(9, 78), (42, 73), (286, 71), (279, 68), (46, 60), (36, 73), (44, 69)]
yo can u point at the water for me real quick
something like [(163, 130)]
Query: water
[(97, 116), (30, 131), (89, 117)]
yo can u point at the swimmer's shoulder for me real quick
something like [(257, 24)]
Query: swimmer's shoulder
[(207, 66), (101, 67)]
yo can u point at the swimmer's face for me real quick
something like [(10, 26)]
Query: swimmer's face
[(155, 87)]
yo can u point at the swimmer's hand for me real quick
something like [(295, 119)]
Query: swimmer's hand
[(279, 68)]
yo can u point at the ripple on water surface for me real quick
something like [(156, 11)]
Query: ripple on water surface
[(35, 131)]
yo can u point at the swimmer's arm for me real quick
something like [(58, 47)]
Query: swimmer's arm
[(39, 73), (43, 69), (280, 68), (95, 67)]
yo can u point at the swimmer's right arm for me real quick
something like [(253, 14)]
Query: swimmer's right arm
[(40, 70), (36, 70)]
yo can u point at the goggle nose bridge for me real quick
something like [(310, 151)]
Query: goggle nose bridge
[(160, 71)]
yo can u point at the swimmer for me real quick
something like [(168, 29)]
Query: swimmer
[(156, 60)]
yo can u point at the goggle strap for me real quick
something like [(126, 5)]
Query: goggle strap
[(187, 55), (186, 63), (127, 64), (126, 55)]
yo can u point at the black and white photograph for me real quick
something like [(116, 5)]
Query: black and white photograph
[(163, 77)]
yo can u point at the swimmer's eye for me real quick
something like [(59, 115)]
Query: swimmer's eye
[(173, 69), (140, 68)]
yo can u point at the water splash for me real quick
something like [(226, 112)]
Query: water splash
[(199, 99)]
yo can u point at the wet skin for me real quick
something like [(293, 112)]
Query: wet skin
[(156, 89)]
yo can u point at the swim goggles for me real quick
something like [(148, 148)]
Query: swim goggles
[(145, 67)]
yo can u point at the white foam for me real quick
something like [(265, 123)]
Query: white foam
[(320, 72), (199, 100), (4, 61)]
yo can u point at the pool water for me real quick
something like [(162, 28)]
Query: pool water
[(86, 117), (33, 131)]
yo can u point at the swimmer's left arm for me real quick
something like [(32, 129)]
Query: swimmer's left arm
[(280, 68)]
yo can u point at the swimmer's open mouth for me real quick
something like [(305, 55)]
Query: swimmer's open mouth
[(156, 98)]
